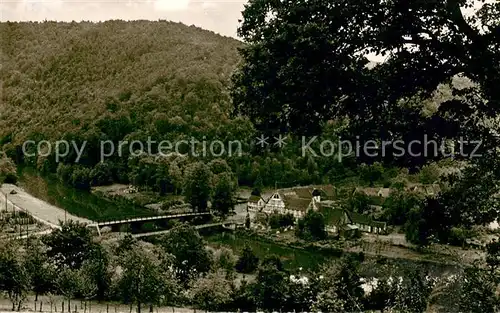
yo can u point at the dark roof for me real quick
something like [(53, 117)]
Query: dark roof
[(303, 192), (254, 198), (296, 204), (359, 218), (327, 192), (332, 216), (365, 220)]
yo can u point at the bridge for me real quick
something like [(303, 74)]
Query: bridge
[(225, 225), (142, 220)]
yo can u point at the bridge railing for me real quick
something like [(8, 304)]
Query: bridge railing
[(151, 218)]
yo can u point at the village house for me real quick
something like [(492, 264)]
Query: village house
[(289, 202), (297, 201), (339, 221), (374, 192), (255, 203), (428, 190)]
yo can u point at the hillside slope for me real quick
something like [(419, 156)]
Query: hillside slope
[(74, 78)]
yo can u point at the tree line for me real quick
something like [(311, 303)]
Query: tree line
[(180, 270)]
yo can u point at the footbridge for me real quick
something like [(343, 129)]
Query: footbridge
[(225, 225), (138, 221)]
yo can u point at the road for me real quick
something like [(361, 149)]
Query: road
[(42, 211)]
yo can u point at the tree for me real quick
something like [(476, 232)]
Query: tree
[(358, 202), (244, 297), (282, 36), (398, 205), (329, 301), (14, 275), (413, 292), (188, 248), (41, 271), (219, 166), (493, 255), (312, 226), (426, 46), (89, 280), (144, 279), (371, 173), (197, 187), (70, 245), (224, 193), (124, 244), (8, 172), (224, 259), (212, 292), (258, 185), (175, 174), (271, 285), (101, 174), (382, 297), (247, 221), (248, 261), (429, 174), (68, 284), (341, 284), (97, 273)]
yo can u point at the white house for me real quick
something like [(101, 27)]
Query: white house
[(275, 203), (255, 203)]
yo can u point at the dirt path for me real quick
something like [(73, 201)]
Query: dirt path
[(41, 210)]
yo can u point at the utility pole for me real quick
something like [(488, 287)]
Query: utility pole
[(27, 226)]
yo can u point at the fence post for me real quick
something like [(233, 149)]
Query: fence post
[(41, 304), (107, 308), (62, 307), (35, 305), (76, 308)]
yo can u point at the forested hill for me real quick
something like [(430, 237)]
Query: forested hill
[(113, 78)]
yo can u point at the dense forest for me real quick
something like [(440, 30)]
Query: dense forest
[(117, 81)]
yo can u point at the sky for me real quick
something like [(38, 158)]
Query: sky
[(220, 16)]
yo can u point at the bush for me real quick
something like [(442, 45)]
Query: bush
[(280, 220), (10, 178), (458, 236)]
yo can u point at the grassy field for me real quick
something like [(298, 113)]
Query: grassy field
[(77, 202)]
